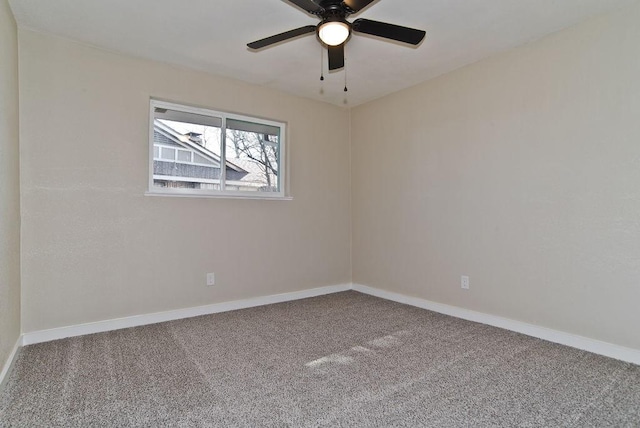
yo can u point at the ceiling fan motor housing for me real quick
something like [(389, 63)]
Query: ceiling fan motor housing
[(334, 6)]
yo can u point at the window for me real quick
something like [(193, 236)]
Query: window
[(201, 152)]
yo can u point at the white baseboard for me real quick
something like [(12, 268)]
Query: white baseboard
[(138, 320), (596, 346), (6, 369)]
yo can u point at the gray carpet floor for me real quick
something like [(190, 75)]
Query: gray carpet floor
[(345, 359)]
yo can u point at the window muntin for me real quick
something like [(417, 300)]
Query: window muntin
[(188, 147)]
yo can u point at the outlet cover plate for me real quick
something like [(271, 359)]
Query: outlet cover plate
[(464, 282), (211, 278)]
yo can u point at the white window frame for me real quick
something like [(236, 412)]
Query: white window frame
[(206, 193)]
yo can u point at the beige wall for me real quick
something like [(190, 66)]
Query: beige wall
[(521, 171), (96, 248), (9, 186)]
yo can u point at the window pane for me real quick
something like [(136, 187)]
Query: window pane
[(189, 133), (201, 159), (253, 156), (156, 152), (167, 153), (184, 156)]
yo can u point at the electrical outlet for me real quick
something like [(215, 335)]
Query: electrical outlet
[(464, 282), (211, 278)]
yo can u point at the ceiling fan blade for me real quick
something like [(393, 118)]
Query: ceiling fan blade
[(356, 5), (336, 56), (389, 31), (307, 5), (258, 44)]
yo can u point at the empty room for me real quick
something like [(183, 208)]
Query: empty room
[(310, 213)]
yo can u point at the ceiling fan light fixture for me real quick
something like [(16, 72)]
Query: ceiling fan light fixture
[(334, 33)]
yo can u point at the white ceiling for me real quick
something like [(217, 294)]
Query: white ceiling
[(211, 35)]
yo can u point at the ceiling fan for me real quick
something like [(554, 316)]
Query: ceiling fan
[(334, 30)]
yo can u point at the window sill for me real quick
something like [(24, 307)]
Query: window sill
[(218, 196)]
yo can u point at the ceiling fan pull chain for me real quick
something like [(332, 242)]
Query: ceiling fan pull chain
[(321, 59), (345, 73)]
